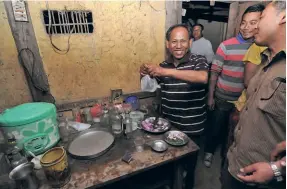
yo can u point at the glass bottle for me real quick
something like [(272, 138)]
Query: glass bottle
[(116, 122), (105, 119), (128, 123)]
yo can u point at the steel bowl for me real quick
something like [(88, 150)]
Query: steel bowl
[(159, 145)]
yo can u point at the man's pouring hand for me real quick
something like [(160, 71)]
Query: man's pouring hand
[(154, 70), (144, 69)]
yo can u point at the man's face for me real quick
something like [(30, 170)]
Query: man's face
[(267, 26), (196, 32), (248, 25), (179, 42)]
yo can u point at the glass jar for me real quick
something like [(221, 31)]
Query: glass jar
[(116, 122), (87, 115)]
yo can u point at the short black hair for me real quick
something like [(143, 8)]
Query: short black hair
[(200, 25), (168, 32), (254, 8), (279, 5)]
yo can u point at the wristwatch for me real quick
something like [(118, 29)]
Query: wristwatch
[(276, 171)]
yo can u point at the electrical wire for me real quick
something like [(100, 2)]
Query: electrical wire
[(50, 32), (30, 72)]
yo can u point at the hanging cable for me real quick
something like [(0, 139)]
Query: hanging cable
[(36, 82), (50, 32)]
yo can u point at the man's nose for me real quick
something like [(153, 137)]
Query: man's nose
[(246, 26), (256, 26), (178, 45)]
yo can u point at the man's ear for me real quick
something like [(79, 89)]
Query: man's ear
[(282, 18), (190, 42), (166, 43)]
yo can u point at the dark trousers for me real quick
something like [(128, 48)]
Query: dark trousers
[(190, 164), (217, 129)]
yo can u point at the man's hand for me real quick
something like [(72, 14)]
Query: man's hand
[(144, 69), (281, 147), (256, 173), (210, 103), (156, 70)]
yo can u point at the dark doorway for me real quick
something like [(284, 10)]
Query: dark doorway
[(213, 18)]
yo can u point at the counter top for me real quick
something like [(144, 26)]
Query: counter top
[(109, 167)]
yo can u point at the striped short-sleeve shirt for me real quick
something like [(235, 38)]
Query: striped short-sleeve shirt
[(228, 64), (183, 102)]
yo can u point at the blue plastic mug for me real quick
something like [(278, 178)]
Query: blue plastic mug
[(133, 101)]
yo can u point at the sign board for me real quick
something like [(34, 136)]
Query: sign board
[(19, 10)]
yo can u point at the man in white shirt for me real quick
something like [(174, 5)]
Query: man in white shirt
[(200, 45)]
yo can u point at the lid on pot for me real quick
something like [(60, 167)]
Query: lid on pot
[(26, 113)]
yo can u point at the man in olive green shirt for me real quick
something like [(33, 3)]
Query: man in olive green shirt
[(262, 122)]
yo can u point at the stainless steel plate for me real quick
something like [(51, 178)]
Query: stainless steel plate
[(159, 130), (90, 144), (176, 138)]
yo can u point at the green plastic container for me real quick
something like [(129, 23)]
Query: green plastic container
[(34, 126)]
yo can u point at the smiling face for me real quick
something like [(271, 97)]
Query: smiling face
[(248, 25), (179, 42), (268, 25)]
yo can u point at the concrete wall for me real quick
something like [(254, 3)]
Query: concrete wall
[(13, 86), (214, 31), (126, 34)]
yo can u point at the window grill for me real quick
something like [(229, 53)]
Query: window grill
[(68, 22)]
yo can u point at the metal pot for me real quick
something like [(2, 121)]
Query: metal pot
[(24, 176)]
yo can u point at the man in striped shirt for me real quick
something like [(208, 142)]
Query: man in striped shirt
[(182, 77), (227, 81)]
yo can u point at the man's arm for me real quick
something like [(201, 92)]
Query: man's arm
[(211, 89), (209, 52), (216, 68), (262, 172), (198, 75), (188, 75)]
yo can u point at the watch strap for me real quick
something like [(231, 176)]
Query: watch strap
[(276, 171)]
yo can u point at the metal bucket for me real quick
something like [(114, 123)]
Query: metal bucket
[(56, 167)]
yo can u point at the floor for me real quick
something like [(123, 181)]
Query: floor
[(207, 178)]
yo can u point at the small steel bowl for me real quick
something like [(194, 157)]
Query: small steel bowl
[(159, 145)]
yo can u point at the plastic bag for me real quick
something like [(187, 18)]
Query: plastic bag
[(149, 84)]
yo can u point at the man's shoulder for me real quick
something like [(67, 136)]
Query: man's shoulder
[(205, 40), (163, 64), (196, 58)]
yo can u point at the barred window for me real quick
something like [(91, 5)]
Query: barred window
[(68, 22)]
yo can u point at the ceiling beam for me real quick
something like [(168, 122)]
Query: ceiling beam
[(208, 17)]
